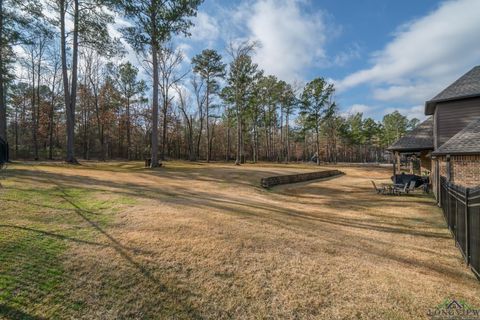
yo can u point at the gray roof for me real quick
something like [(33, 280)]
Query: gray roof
[(420, 138), (466, 141), (466, 86)]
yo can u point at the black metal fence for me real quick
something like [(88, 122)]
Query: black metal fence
[(461, 208)]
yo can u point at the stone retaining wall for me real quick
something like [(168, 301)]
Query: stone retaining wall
[(301, 177)]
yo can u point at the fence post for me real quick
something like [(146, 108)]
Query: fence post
[(456, 223), (449, 206), (467, 233)]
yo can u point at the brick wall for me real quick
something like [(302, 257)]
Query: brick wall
[(465, 170), (442, 163)]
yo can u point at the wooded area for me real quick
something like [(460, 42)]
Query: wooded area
[(67, 91)]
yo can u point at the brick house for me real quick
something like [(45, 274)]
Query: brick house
[(459, 158), (448, 142)]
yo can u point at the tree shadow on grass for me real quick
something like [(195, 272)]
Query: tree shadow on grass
[(73, 239), (11, 313), (352, 240), (206, 199), (329, 227), (172, 297), (177, 296)]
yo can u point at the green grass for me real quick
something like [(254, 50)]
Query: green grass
[(37, 225)]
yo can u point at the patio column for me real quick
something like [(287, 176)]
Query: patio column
[(397, 161), (394, 167)]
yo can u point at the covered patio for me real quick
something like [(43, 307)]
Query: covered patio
[(413, 150)]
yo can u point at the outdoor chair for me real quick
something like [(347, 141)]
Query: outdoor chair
[(407, 187), (411, 186), (398, 189), (377, 189)]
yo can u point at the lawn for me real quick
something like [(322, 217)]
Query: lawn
[(205, 241)]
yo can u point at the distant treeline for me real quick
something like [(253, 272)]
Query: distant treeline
[(71, 94)]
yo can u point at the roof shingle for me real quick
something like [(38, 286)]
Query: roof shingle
[(466, 86), (466, 141), (420, 138)]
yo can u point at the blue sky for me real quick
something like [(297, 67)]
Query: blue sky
[(382, 55)]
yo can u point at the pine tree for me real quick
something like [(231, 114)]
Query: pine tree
[(209, 66), (153, 24), (315, 98)]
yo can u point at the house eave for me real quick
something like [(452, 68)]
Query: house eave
[(393, 149), (458, 153), (431, 104)]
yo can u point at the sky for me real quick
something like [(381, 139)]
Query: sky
[(382, 55)]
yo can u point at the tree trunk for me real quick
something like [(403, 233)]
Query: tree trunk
[(317, 134), (85, 133), (281, 144), (3, 105), (50, 131), (164, 128), (208, 119), (287, 139), (305, 152), (32, 105), (212, 134), (267, 146), (37, 116), (100, 126), (16, 131), (238, 158), (199, 138), (191, 151), (129, 138), (254, 157), (154, 149), (227, 150), (70, 93)]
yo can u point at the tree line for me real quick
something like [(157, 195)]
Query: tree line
[(67, 92)]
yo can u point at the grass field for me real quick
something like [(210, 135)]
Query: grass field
[(204, 241)]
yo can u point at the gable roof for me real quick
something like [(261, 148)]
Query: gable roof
[(466, 141), (467, 86), (420, 138)]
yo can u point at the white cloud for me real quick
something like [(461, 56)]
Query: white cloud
[(205, 28), (407, 93), (377, 112), (358, 108), (185, 49), (410, 112), (425, 55), (292, 40)]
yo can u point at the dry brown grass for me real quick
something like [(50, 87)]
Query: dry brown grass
[(205, 241)]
